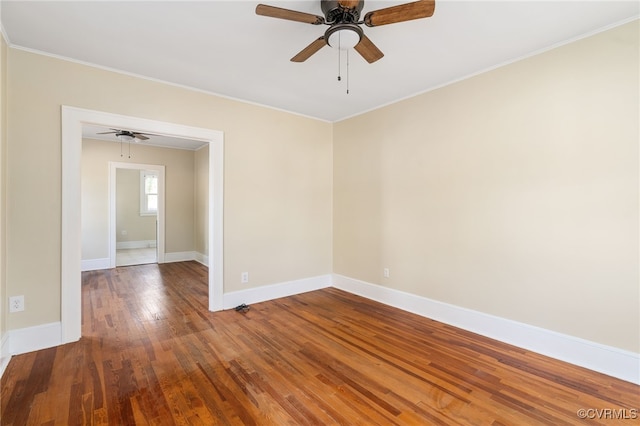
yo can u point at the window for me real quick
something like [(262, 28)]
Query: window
[(148, 192)]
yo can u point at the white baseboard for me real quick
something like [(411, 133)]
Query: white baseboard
[(275, 291), (31, 339), (182, 256), (135, 244), (608, 360), (179, 256), (5, 354), (95, 264), (202, 258), (23, 340)]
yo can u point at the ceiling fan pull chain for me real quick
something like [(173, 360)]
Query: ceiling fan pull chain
[(129, 149), (339, 66), (347, 72)]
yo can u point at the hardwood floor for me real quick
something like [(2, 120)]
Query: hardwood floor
[(152, 354)]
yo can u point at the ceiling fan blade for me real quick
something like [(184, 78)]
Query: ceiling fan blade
[(306, 53), (349, 4), (368, 50), (140, 136), (400, 13), (291, 15), (105, 133)]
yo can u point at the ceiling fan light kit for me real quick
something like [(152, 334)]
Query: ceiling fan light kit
[(125, 137), (343, 36)]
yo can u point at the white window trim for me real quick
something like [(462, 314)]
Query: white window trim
[(144, 211)]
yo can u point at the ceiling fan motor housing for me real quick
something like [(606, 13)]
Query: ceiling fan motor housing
[(334, 12)]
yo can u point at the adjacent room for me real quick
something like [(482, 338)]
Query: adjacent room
[(320, 212)]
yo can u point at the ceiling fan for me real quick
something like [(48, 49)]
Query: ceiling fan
[(126, 135), (343, 18)]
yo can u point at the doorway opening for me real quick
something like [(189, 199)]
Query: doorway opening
[(73, 120), (136, 214)]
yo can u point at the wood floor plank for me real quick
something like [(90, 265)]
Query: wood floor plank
[(152, 354)]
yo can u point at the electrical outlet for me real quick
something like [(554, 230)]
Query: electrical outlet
[(16, 304), (385, 272), (244, 277)]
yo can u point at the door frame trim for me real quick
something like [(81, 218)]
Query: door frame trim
[(160, 237), (72, 119)]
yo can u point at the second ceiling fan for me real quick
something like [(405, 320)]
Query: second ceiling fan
[(126, 135), (343, 18)]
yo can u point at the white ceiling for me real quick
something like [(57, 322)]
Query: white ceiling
[(223, 47)]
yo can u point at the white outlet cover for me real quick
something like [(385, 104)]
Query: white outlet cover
[(16, 304)]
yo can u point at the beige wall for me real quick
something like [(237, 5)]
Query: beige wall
[(278, 166), (513, 193), (201, 212), (179, 180), (130, 225), (94, 193), (3, 187)]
